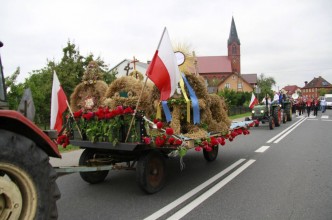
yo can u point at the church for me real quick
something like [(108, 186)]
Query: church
[(222, 72)]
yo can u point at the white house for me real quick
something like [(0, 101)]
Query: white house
[(126, 66)]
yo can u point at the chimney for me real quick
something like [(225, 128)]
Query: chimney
[(305, 83)]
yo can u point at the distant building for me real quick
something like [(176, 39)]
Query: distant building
[(291, 89), (312, 88), (127, 66), (222, 72)]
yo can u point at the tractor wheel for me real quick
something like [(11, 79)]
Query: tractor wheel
[(277, 116), (288, 112), (151, 172), (211, 155), (93, 176), (284, 117), (271, 123), (28, 188)]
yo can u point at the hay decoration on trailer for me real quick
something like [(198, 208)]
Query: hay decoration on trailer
[(89, 94)]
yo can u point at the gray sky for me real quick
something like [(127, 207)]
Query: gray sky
[(285, 39)]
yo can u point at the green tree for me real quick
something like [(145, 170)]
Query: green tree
[(265, 84), (69, 71), (14, 90)]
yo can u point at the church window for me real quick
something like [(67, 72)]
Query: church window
[(227, 85), (239, 85)]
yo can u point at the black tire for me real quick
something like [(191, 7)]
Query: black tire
[(284, 117), (212, 155), (151, 172), (25, 167), (288, 112), (277, 116), (92, 177), (271, 123)]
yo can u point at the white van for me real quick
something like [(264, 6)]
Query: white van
[(328, 98)]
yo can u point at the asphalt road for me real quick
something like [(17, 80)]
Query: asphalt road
[(285, 173)]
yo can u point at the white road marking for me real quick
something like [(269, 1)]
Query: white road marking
[(281, 133), (262, 149), (284, 135), (326, 120), (191, 193), (324, 116), (185, 210)]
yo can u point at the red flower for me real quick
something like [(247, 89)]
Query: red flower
[(178, 142), (159, 124), (208, 149), (155, 120), (198, 148), (88, 115), (171, 140), (100, 113), (169, 131), (160, 141), (214, 141), (147, 140), (119, 109), (78, 114), (128, 110), (230, 139)]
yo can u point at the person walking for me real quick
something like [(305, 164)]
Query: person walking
[(315, 105), (309, 105), (323, 104)]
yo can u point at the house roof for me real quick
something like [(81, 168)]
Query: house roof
[(240, 76), (291, 89), (213, 64), (319, 82), (250, 77)]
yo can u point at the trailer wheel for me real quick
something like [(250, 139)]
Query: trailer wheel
[(211, 155), (92, 177), (288, 111), (28, 188), (151, 172)]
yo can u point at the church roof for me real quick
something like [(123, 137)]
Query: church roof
[(213, 64), (233, 34)]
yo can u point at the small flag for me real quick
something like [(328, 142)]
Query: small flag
[(58, 104), (253, 101), (163, 69)]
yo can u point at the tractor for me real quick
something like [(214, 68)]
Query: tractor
[(28, 188)]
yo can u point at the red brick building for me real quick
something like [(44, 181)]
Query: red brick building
[(312, 88)]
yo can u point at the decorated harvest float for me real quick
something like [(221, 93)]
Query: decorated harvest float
[(137, 122)]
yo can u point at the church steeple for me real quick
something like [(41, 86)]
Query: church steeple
[(234, 53), (233, 34)]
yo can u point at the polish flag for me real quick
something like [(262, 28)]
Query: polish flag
[(58, 104), (253, 101), (163, 69)]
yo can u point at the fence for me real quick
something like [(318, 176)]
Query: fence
[(236, 110)]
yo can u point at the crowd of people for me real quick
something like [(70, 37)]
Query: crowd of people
[(308, 104), (301, 104)]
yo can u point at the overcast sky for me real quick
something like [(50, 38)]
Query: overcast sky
[(288, 40)]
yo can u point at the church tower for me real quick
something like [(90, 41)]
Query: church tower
[(234, 49)]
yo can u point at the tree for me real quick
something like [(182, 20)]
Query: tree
[(265, 84), (69, 71), (14, 91)]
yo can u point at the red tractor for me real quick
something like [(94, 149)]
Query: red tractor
[(27, 180)]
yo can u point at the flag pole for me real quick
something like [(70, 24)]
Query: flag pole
[(137, 104), (72, 115), (139, 98)]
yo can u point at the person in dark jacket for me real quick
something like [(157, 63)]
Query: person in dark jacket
[(309, 105), (316, 103)]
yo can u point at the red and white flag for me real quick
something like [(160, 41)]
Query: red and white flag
[(58, 104), (163, 69), (253, 101)]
